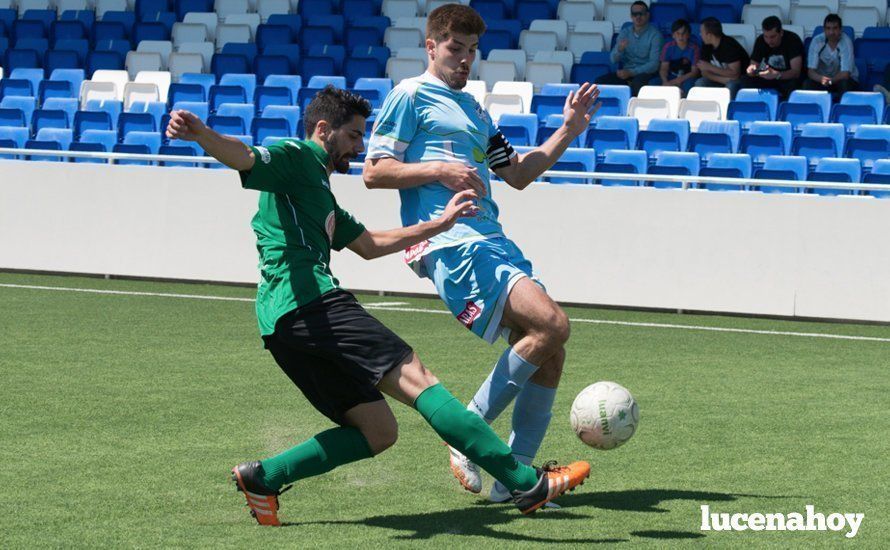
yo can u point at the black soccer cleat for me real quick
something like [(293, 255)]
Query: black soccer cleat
[(553, 480), (263, 502)]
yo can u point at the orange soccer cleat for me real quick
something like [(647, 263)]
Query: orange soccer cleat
[(554, 480), (263, 501)]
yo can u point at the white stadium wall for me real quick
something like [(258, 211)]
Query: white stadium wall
[(788, 255)]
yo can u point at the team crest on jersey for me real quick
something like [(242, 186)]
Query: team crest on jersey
[(482, 114), (330, 225), (265, 156), (469, 314)]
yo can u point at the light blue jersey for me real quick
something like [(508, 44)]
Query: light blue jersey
[(422, 120)]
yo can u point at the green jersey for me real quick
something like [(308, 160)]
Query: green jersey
[(297, 225)]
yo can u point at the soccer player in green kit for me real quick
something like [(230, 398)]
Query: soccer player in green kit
[(340, 357)]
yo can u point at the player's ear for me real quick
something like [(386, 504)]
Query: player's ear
[(322, 129), (431, 48)]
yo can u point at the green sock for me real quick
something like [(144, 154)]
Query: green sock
[(468, 433), (317, 455)]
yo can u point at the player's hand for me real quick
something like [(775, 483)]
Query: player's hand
[(623, 74), (460, 177), (622, 45), (580, 107), (826, 81), (460, 206), (185, 126)]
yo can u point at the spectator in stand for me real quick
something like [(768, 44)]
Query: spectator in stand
[(637, 50), (830, 65), (777, 59), (723, 59), (884, 87), (679, 58)]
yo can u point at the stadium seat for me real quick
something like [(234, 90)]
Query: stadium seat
[(246, 81), (880, 173), (272, 95), (117, 77), (185, 92), (183, 63), (768, 97), (670, 94), (574, 160), (836, 170), (289, 113), (654, 142), (205, 17), (180, 148), (629, 125), (86, 147), (400, 69), (551, 124), (206, 50), (262, 128), (538, 73), (788, 168), (14, 137), (698, 111), (647, 109), (869, 146), (623, 162), (199, 108), (545, 105), (151, 139), (73, 76), (519, 129), (220, 94), (33, 76), (834, 131), (500, 104), (224, 64), (48, 118), (54, 88), (141, 92), (676, 126), (48, 145), (91, 120), (26, 105), (243, 111), (136, 122), (674, 163), (517, 57), (580, 42), (205, 81), (10, 87), (13, 118), (872, 99), (778, 128), (381, 85)]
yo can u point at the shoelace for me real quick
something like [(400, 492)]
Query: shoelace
[(552, 466)]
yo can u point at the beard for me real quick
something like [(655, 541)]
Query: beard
[(339, 160)]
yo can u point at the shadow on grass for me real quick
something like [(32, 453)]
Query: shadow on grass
[(481, 519)]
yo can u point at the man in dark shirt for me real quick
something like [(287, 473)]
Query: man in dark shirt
[(777, 59), (723, 59)]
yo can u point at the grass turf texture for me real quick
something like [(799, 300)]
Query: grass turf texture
[(122, 415)]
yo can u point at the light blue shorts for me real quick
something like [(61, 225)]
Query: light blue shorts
[(474, 280)]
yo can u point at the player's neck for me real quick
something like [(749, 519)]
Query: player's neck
[(329, 166)]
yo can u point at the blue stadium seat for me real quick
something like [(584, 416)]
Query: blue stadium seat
[(271, 95), (813, 148), (222, 64), (67, 30), (335, 22), (305, 96), (833, 131), (152, 140), (727, 165), (606, 140), (622, 162), (10, 87), (357, 9), (756, 95), (291, 52), (575, 160), (380, 54), (675, 163), (182, 7), (289, 113), (382, 85), (664, 13), (200, 109), (312, 66), (73, 76), (110, 106), (489, 9), (715, 136), (291, 82), (868, 148), (654, 142), (247, 81), (80, 48), (80, 146), (54, 88), (204, 80), (529, 10), (28, 28), (14, 138), (33, 76), (315, 7), (105, 138), (132, 149), (873, 131), (91, 120), (150, 31), (38, 45), (819, 98), (747, 113), (315, 35), (546, 105), (873, 99), (248, 50), (87, 18), (261, 128), (112, 28), (629, 125), (62, 136), (267, 34), (782, 168), (103, 60), (220, 94), (50, 145), (155, 109), (519, 129), (244, 111), (48, 118), (551, 124), (135, 122), (14, 58), (14, 118), (265, 65), (181, 148), (363, 37), (67, 104), (781, 129), (880, 173), (837, 170), (511, 26), (726, 12), (495, 40), (180, 91), (618, 96), (24, 104), (291, 20), (61, 59), (336, 52), (799, 114), (356, 69), (679, 127), (853, 116)]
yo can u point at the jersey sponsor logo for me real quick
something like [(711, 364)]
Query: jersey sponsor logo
[(330, 225), (469, 314), (478, 155), (413, 253), (265, 156), (384, 127), (483, 116)]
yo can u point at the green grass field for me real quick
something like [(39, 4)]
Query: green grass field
[(122, 415)]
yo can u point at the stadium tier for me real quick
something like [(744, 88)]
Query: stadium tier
[(101, 76)]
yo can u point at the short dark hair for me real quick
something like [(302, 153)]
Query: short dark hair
[(680, 24), (639, 3), (832, 18), (772, 23), (712, 25), (453, 18), (336, 106)]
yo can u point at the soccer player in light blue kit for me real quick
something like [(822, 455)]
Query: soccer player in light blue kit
[(431, 140)]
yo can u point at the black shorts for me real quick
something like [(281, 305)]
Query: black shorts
[(336, 352)]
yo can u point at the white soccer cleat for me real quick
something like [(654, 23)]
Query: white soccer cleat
[(466, 472)]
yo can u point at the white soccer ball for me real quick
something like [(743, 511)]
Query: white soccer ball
[(605, 415)]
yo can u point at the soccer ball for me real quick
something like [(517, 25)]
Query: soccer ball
[(605, 415)]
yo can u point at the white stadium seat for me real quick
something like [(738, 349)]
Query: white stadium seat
[(97, 90), (566, 59), (433, 4), (809, 17), (400, 69), (560, 27), (118, 78), (721, 96), (209, 20), (796, 29), (74, 5), (225, 8), (535, 41), (226, 33), (645, 110), (783, 5), (419, 54), (142, 61), (753, 14), (617, 13), (605, 28), (573, 12), (265, 8), (395, 38), (697, 111), (745, 33), (418, 23), (501, 104), (180, 63), (580, 42), (832, 5), (204, 49), (880, 5), (400, 8), (525, 90), (517, 57), (103, 6), (252, 20), (162, 47), (25, 5), (189, 32), (494, 71), (860, 17), (540, 73), (160, 79), (140, 91), (477, 89), (671, 94)]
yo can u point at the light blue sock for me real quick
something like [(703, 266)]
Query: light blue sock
[(509, 375), (531, 416)]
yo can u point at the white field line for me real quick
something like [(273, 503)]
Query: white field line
[(390, 306)]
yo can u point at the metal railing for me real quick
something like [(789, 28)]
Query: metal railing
[(685, 181)]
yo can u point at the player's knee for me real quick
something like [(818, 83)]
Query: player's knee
[(382, 436), (556, 329)]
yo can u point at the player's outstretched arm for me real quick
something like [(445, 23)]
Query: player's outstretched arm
[(390, 173), (228, 150), (579, 108), (373, 244)]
